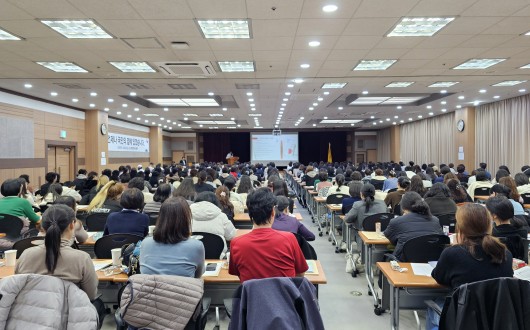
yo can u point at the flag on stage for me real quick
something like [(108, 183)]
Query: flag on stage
[(330, 159)]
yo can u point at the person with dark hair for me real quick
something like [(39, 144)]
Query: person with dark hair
[(55, 191), (509, 182), (483, 166), (462, 175), (501, 173), (322, 181), (444, 170), (162, 193), (235, 199), (285, 222), (310, 176), (265, 252), (202, 185), (458, 192), (356, 176), (476, 256), (416, 220), (80, 234), (364, 208), (416, 185), (279, 188), (502, 190), (138, 183), (80, 180), (186, 190), (51, 177), (522, 183), (56, 257), (391, 182), (506, 224), (439, 200), (207, 216), (481, 181), (339, 187), (223, 195), (244, 188), (171, 251), (25, 192), (129, 220), (354, 190), (13, 205), (394, 198)]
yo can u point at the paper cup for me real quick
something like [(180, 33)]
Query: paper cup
[(116, 256), (11, 257), (151, 230)]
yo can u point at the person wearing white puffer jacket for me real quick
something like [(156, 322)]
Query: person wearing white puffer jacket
[(207, 217)]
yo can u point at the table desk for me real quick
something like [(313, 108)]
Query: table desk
[(370, 242), (333, 208), (408, 291), (318, 202)]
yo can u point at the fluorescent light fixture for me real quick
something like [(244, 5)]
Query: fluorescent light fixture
[(419, 26), (400, 84), (333, 85), (444, 84), (225, 29), (216, 115), (28, 85), (314, 43), (4, 35), (371, 100), (402, 99), (185, 102), (509, 83), (298, 80), (329, 8), (254, 114), (367, 65), (93, 94), (522, 90), (237, 66), (304, 66), (525, 66), (290, 85), (75, 100), (190, 115), (133, 66), (78, 29), (215, 122), (62, 67), (385, 100), (478, 63), (150, 115), (340, 121), (54, 93), (136, 109), (482, 91)]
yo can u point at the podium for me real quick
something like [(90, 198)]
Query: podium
[(232, 160)]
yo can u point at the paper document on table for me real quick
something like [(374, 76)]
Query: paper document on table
[(372, 235), (421, 269), (210, 271), (522, 273), (312, 270), (100, 264)]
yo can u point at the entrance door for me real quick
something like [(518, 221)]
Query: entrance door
[(61, 160)]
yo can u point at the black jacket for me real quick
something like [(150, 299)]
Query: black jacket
[(497, 304)]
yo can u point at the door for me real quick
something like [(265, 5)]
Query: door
[(61, 160), (177, 155), (371, 155)]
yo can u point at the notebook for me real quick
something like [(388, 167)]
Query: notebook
[(213, 272), (522, 273), (312, 270), (100, 264)]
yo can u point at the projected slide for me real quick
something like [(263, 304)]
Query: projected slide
[(280, 149)]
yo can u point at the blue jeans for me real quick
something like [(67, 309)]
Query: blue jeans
[(433, 319)]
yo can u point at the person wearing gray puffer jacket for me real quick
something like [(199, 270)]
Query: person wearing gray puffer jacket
[(60, 304)]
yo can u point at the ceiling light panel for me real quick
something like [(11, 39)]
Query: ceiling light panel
[(525, 66), (372, 100), (419, 26), (333, 85), (340, 121), (478, 63), (150, 115), (185, 102), (215, 122), (368, 65), (509, 83), (400, 84), (133, 66), (245, 66), (169, 102), (78, 29), (4, 35), (225, 29), (190, 115), (216, 115), (442, 84), (402, 100), (62, 66)]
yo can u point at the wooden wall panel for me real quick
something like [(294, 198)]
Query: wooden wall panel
[(126, 131)]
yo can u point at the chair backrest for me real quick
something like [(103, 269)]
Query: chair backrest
[(152, 218), (526, 198), (96, 221), (391, 190), (397, 209), (26, 243), (484, 191), (106, 243), (335, 198), (383, 218), (308, 251), (517, 245), (378, 184), (448, 220), (424, 248), (214, 245), (11, 226)]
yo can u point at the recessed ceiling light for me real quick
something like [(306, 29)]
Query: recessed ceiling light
[(396, 117), (304, 66), (478, 63), (443, 84), (372, 117), (124, 105), (394, 123), (252, 104), (388, 119), (110, 100), (93, 94), (443, 91), (136, 109), (399, 107), (525, 66), (444, 110), (118, 112), (458, 106), (225, 29), (138, 118), (162, 118), (320, 99), (236, 66), (326, 93), (106, 109), (285, 100), (340, 108), (298, 80), (374, 123), (365, 92), (400, 84), (401, 121), (329, 8), (431, 113), (129, 116), (146, 121), (509, 83), (92, 105), (522, 90), (482, 91), (429, 106), (249, 94), (315, 104), (314, 125), (461, 97), (381, 121), (290, 85), (4, 35), (211, 94), (287, 93), (75, 100), (314, 43), (132, 94), (420, 116), (475, 103), (251, 100), (53, 93), (366, 65), (185, 118), (133, 67), (284, 104), (62, 67), (238, 125), (311, 108), (252, 109), (496, 97), (28, 85), (282, 109), (78, 29), (333, 85), (419, 26)]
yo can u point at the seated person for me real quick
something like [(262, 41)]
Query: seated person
[(202, 185), (129, 220), (207, 216), (162, 193), (227, 207), (439, 200), (364, 208), (285, 222), (340, 187), (502, 190), (80, 234), (355, 196), (393, 199), (107, 200), (13, 205), (416, 220), (279, 188), (481, 181), (391, 182), (458, 192), (378, 180), (323, 181), (171, 251), (55, 191), (265, 252), (138, 183), (476, 256), (234, 197)]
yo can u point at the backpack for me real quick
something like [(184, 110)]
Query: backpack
[(130, 254)]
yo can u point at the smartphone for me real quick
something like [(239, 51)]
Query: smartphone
[(211, 267)]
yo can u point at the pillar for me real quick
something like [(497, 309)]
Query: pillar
[(395, 143), (156, 145), (96, 146), (465, 140)]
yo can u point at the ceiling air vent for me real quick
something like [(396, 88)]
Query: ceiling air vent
[(186, 69)]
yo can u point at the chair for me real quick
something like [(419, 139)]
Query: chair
[(214, 245), (391, 190), (495, 304), (448, 220), (106, 243), (308, 250), (383, 218), (484, 191), (27, 243), (378, 184), (526, 198), (517, 245), (96, 221), (11, 226), (335, 198), (152, 218), (424, 248)]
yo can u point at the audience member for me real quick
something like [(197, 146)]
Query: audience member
[(439, 200), (285, 222), (162, 193), (80, 235), (138, 183), (208, 217), (129, 220)]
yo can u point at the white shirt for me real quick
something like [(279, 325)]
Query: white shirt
[(229, 155)]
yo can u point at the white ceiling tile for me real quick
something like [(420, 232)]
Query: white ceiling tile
[(423, 53), (434, 8), (399, 42), (162, 9), (218, 9), (495, 8), (231, 44), (502, 52), (49, 9), (103, 9), (10, 12), (274, 28), (265, 43), (369, 26), (307, 56), (263, 9), (469, 25), (235, 55), (383, 8), (510, 25), (29, 29), (462, 53), (326, 42), (344, 55), (321, 27), (443, 41), (272, 55), (357, 42), (381, 53), (346, 9), (127, 28), (175, 28)]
